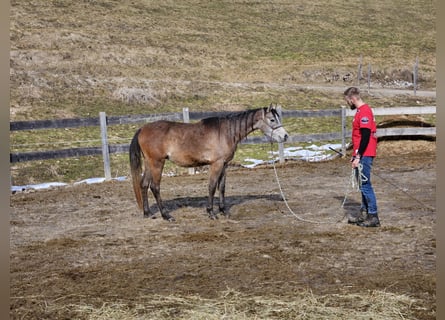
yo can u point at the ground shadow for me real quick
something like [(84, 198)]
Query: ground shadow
[(351, 206), (172, 205)]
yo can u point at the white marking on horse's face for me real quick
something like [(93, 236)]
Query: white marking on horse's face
[(279, 135)]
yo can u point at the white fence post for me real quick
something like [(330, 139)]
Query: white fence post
[(186, 119), (416, 69), (369, 77), (105, 150), (343, 130), (280, 144)]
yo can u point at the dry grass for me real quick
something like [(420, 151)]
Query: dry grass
[(80, 56), (377, 305)]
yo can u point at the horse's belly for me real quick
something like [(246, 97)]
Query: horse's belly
[(189, 160)]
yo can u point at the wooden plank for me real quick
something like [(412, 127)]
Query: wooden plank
[(53, 124), (296, 138), (54, 154), (312, 113), (204, 114), (417, 131), (119, 148), (315, 137), (115, 120), (397, 111)]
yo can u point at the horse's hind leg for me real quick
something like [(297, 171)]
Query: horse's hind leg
[(155, 187), (145, 183)]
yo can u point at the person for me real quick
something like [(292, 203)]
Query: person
[(364, 143)]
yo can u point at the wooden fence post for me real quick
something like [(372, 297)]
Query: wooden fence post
[(186, 119), (105, 150), (343, 130)]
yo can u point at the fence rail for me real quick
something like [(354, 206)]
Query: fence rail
[(107, 149)]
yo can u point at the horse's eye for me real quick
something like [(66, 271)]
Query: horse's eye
[(272, 120)]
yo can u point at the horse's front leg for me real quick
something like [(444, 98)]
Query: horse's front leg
[(222, 191), (216, 170), (210, 212)]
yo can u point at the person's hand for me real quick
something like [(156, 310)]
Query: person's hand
[(355, 162)]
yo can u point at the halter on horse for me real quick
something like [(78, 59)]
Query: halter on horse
[(211, 141)]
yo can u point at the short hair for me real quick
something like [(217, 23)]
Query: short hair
[(352, 91)]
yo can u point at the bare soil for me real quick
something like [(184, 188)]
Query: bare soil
[(89, 244)]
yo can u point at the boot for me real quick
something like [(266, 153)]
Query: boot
[(371, 221), (357, 218)]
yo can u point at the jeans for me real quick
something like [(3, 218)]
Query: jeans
[(369, 202)]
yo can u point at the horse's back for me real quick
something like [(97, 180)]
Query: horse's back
[(183, 143)]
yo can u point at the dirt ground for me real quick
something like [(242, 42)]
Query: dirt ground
[(89, 244)]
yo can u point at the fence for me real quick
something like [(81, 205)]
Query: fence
[(103, 121)]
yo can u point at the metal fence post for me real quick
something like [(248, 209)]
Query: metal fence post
[(105, 150)]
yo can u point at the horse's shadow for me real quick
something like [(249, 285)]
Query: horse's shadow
[(350, 206), (172, 205)]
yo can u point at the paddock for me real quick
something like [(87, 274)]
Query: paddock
[(81, 251)]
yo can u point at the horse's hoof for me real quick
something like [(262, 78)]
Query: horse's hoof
[(169, 218), (150, 215)]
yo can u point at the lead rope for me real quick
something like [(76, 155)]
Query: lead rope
[(287, 204), (356, 181)]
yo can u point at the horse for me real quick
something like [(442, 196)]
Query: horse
[(211, 141)]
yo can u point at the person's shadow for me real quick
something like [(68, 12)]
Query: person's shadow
[(350, 206)]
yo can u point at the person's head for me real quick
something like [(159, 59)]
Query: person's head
[(352, 97)]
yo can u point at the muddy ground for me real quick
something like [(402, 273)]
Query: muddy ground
[(89, 245)]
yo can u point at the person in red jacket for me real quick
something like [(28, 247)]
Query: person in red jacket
[(364, 143)]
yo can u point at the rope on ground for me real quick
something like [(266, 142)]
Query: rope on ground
[(290, 209)]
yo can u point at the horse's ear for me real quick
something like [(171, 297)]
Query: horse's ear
[(270, 107)]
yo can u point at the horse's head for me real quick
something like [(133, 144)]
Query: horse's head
[(270, 124)]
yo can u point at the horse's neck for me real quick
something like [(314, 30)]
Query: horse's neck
[(242, 127)]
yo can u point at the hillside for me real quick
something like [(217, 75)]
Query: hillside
[(76, 58)]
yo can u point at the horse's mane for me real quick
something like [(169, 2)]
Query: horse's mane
[(232, 116), (240, 123)]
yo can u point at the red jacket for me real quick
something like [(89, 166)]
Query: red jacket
[(364, 118)]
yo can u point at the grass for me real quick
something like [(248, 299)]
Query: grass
[(75, 59)]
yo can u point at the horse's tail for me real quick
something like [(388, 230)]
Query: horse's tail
[(136, 167)]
